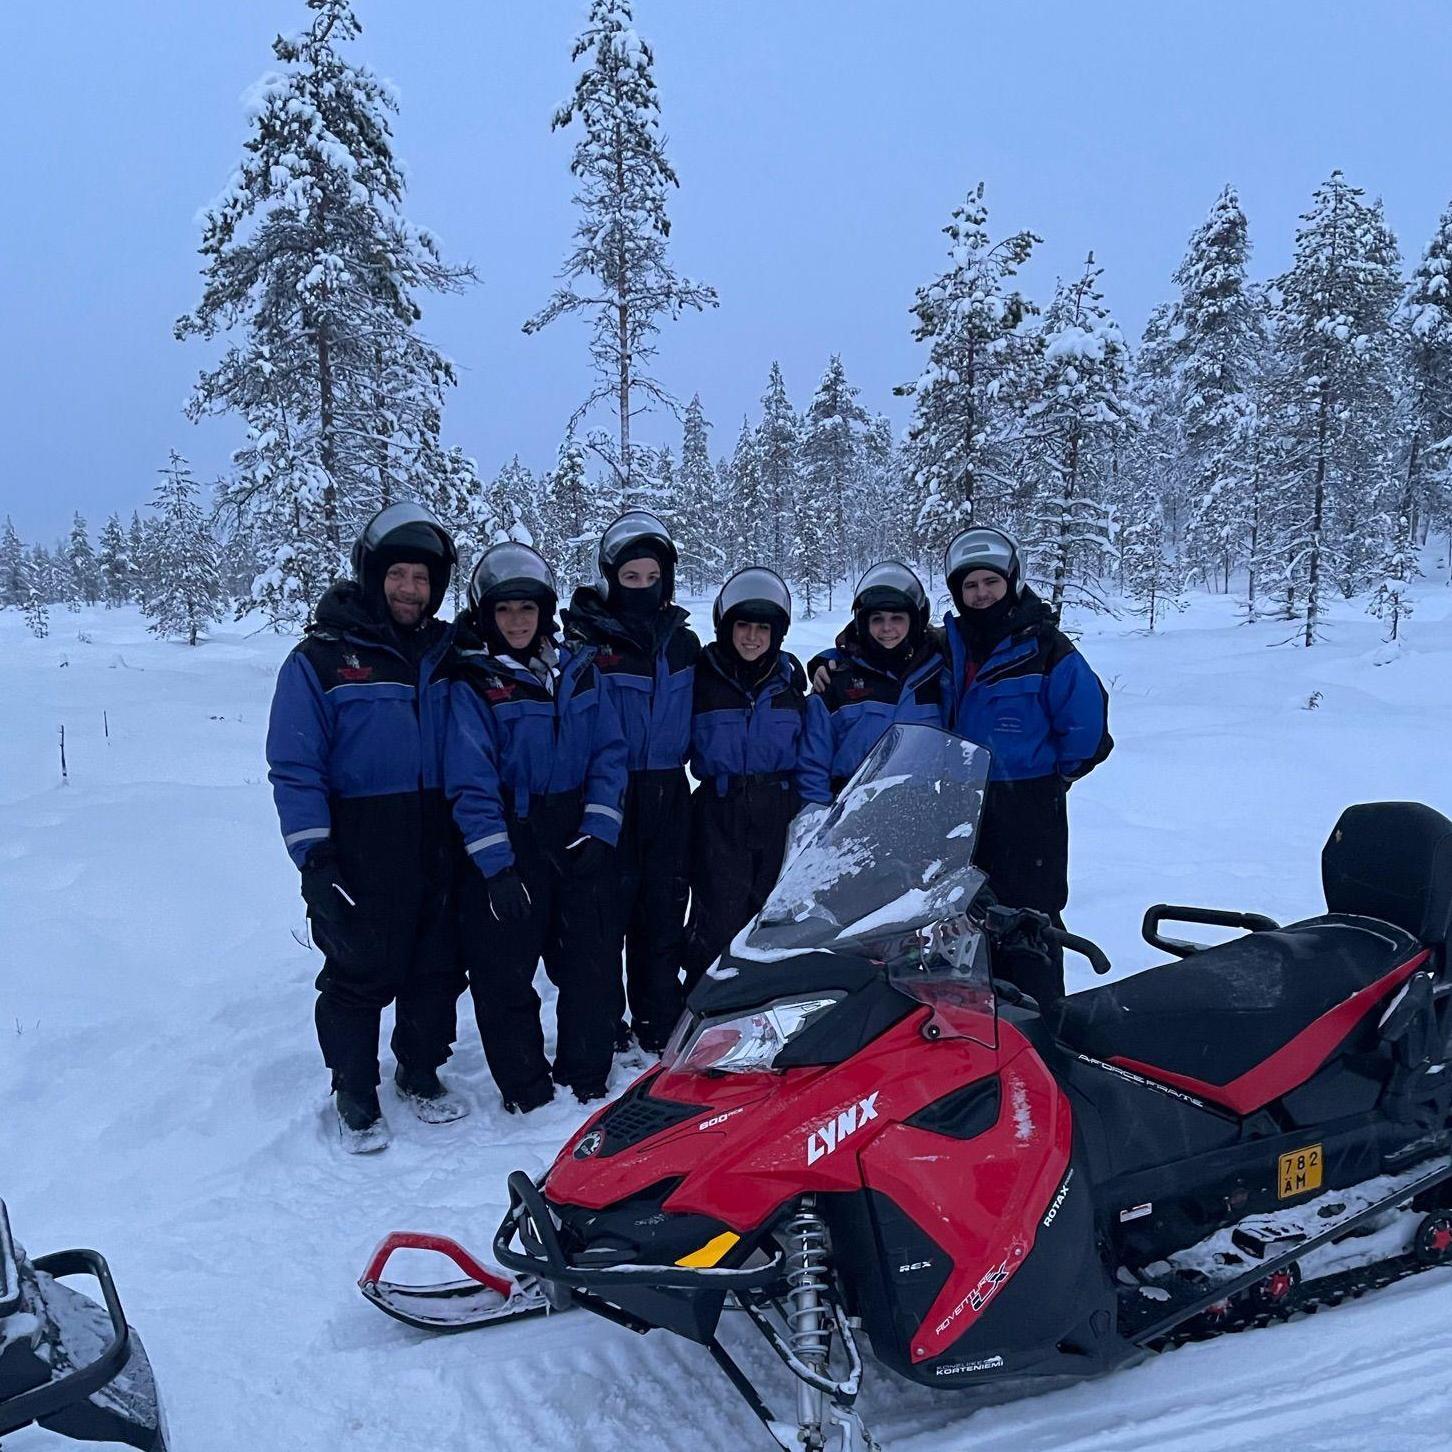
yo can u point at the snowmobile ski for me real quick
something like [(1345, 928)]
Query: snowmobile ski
[(482, 1297)]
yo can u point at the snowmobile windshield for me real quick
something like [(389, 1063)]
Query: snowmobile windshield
[(892, 856)]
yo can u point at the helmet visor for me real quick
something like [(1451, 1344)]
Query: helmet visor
[(982, 549), (407, 525), (512, 571), (890, 586), (633, 527), (754, 586)]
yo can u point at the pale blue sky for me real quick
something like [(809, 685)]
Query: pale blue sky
[(821, 145)]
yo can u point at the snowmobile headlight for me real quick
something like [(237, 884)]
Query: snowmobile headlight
[(745, 1043)]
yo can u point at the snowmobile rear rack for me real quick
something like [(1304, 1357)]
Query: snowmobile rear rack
[(1210, 917), (63, 1403)]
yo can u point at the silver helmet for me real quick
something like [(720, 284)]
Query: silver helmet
[(513, 571), (891, 585), (752, 589), (981, 548), (404, 531), (637, 530)]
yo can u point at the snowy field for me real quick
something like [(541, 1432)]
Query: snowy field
[(161, 1096)]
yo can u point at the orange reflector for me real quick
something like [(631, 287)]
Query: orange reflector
[(710, 1253)]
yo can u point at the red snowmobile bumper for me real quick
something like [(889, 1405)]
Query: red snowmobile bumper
[(45, 1326)]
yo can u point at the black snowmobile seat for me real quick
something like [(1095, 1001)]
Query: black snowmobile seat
[(1393, 861), (1210, 1020)]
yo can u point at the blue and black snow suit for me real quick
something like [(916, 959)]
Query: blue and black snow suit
[(355, 748), (746, 737), (647, 671), (1022, 690), (534, 762), (846, 720)]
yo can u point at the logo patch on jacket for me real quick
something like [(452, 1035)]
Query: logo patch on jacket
[(353, 672), (856, 689), (607, 659), (504, 691)]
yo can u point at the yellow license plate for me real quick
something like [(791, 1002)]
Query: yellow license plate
[(1299, 1171)]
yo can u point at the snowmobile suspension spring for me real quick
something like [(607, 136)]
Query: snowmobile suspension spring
[(809, 1319)]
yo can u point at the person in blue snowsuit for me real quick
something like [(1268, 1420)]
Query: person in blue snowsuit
[(886, 668), (534, 764), (355, 757), (1019, 687), (748, 714), (646, 655)]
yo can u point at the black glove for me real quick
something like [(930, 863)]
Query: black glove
[(326, 893), (508, 900), (589, 857)]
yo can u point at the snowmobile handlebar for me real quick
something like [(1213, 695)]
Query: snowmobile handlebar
[(1210, 917), (1098, 959)]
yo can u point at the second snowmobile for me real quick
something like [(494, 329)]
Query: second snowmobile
[(860, 1132)]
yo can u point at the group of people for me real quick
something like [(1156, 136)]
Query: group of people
[(466, 800)]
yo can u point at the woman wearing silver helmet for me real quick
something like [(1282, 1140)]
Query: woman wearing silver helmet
[(1020, 688), (886, 668), (646, 655), (534, 764), (746, 728)]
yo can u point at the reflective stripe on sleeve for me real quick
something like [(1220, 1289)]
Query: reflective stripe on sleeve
[(608, 811), (309, 834), (472, 847)]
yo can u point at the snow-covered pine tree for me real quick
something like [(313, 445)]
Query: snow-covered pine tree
[(701, 513), (1212, 324), (182, 591), (831, 465), (745, 539), (14, 578), (618, 272), (1335, 326), (314, 271), (777, 458), (1426, 486), (37, 617), (569, 542), (113, 562), (1077, 414), (44, 574), (970, 318), (83, 586), (136, 552)]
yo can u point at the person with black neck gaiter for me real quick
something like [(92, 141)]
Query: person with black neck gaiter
[(747, 714), (886, 668), (646, 655), (1020, 688)]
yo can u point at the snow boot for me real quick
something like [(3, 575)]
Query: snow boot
[(536, 1097), (360, 1121), (421, 1090)]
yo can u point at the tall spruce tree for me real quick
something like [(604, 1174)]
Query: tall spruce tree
[(831, 461), (113, 561), (569, 542), (83, 581), (14, 578), (313, 272), (970, 318), (778, 446), (741, 487), (618, 273), (1337, 301), (699, 517), (1215, 355), (183, 592), (1078, 412)]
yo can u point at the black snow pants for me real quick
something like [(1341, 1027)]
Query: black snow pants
[(737, 844), (649, 894), (1023, 846), (567, 927), (400, 946)]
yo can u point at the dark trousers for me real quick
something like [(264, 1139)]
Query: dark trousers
[(648, 897), (737, 844), (401, 949), (1023, 846), (567, 928)]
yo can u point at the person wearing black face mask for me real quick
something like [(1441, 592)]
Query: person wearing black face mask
[(1020, 688), (886, 668), (646, 655), (748, 709)]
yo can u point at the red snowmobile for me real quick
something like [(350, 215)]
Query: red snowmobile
[(68, 1364), (858, 1130)]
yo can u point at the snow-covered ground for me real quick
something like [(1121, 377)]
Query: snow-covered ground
[(161, 1095)]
